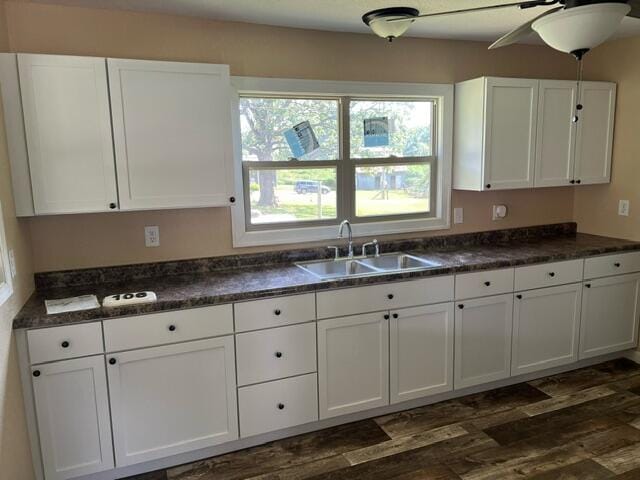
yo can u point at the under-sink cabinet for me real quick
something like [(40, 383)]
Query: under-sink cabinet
[(129, 392)]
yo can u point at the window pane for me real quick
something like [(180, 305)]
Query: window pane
[(292, 195), (392, 189), (408, 124), (264, 122)]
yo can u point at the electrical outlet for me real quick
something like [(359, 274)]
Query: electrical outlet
[(458, 215), (499, 212), (152, 236), (12, 264), (623, 208)]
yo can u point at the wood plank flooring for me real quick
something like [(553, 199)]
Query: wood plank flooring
[(581, 425)]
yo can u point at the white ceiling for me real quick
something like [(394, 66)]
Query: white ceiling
[(345, 15)]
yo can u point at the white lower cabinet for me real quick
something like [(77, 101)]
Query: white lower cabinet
[(353, 363), (280, 404), (609, 315), (483, 340), (421, 351), (172, 399), (546, 325), (73, 417)]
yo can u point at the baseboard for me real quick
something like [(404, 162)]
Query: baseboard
[(633, 355)]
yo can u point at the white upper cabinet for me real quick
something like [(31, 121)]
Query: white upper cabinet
[(520, 133), (68, 131), (495, 133), (171, 125), (555, 140), (594, 136)]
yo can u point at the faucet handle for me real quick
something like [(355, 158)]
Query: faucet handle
[(336, 251), (377, 246), (373, 242)]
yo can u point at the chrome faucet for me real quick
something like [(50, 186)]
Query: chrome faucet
[(340, 235), (373, 243)]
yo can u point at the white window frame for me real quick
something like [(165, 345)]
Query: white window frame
[(6, 287), (242, 237)]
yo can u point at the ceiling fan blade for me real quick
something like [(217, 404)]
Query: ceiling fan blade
[(635, 8), (520, 32)]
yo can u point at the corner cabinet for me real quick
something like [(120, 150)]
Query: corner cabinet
[(166, 126), (521, 133), (68, 131), (172, 399), (172, 133), (72, 409)]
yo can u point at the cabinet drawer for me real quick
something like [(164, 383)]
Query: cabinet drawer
[(57, 343), (351, 301), (275, 312), (167, 327), (548, 274), (276, 405), (276, 353), (612, 265), (483, 284)]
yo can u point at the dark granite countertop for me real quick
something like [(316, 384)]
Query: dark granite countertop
[(199, 287)]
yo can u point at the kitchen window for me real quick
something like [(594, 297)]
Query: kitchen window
[(310, 154), (6, 288)]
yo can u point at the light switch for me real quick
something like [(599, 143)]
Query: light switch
[(458, 215), (152, 236), (623, 208)]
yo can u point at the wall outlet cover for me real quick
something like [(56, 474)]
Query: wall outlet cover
[(499, 212), (458, 215), (623, 208), (12, 264), (152, 236)]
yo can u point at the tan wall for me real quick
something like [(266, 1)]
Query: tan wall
[(596, 207), (107, 239), (15, 456)]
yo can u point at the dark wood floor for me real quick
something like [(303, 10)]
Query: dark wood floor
[(582, 425)]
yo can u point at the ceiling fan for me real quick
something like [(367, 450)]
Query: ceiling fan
[(573, 26)]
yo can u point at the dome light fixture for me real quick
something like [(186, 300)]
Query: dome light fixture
[(579, 29), (390, 22)]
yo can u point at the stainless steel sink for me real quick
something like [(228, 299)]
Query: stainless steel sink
[(398, 261), (327, 269), (364, 266)]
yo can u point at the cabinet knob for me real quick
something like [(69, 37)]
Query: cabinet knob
[(172, 328), (278, 354), (578, 181), (588, 285), (488, 185), (572, 181), (519, 297), (65, 344), (395, 315), (460, 306), (112, 361), (617, 264), (36, 373), (232, 199), (390, 296), (281, 406), (488, 284), (277, 311), (112, 206), (386, 316), (552, 274)]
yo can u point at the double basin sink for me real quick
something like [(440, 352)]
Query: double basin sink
[(365, 266)]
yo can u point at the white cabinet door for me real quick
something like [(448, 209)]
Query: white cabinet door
[(555, 138), (68, 128), (511, 107), (609, 315), (353, 364), (72, 407), (172, 399), (594, 137), (171, 124), (483, 340), (421, 351), (546, 326)]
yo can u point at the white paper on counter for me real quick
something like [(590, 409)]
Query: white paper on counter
[(71, 304)]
